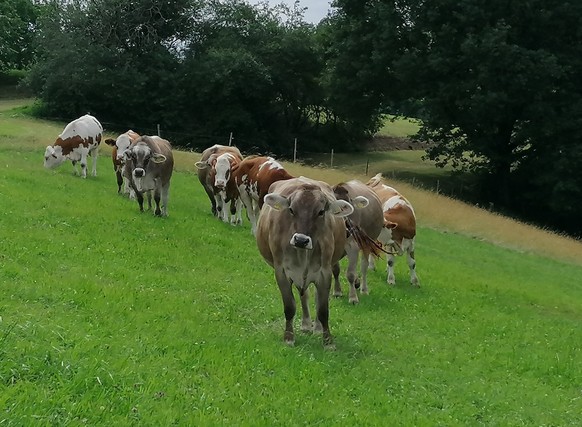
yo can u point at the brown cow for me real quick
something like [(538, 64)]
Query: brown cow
[(399, 232), (367, 217), (301, 234), (120, 145), (208, 177), (253, 177), (149, 161)]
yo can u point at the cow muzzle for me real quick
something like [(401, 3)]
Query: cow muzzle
[(220, 184), (138, 172), (301, 241)]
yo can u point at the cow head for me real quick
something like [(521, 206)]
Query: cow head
[(306, 209), (341, 193), (53, 156), (222, 168), (139, 154)]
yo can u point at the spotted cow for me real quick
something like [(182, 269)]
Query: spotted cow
[(218, 182), (79, 140), (120, 146), (253, 177), (399, 231)]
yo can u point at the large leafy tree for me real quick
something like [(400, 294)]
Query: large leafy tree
[(17, 26), (499, 83)]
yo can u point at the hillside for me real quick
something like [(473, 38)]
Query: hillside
[(112, 317)]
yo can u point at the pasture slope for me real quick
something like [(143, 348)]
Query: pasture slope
[(112, 317)]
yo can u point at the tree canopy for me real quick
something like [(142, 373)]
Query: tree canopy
[(497, 85)]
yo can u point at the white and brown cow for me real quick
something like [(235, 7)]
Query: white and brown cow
[(79, 140), (218, 183), (366, 220), (120, 146), (220, 179), (399, 231), (149, 162), (301, 234), (253, 177)]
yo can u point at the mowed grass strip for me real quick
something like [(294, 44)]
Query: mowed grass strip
[(114, 317)]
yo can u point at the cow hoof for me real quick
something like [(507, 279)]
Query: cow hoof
[(289, 338), (354, 301), (328, 343), (338, 294)]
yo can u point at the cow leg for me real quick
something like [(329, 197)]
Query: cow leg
[(84, 153), (119, 180), (288, 305), (238, 208), (149, 197), (212, 201), (75, 167), (409, 246), (306, 324), (139, 197), (353, 252), (364, 273), (165, 196), (337, 287), (391, 280), (157, 197), (322, 304), (219, 206), (94, 156)]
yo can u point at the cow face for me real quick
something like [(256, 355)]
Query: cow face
[(305, 210), (139, 157), (222, 168), (122, 143), (53, 156)]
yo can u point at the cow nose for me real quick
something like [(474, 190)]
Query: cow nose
[(139, 172), (219, 184), (301, 241)]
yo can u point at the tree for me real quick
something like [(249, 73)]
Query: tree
[(17, 25), (499, 83)]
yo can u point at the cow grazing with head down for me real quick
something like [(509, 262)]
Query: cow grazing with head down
[(301, 234), (253, 177), (209, 176), (399, 231), (79, 140), (120, 146), (149, 162), (367, 221)]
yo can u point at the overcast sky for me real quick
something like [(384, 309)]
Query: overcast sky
[(316, 9)]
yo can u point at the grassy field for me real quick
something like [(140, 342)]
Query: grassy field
[(398, 127), (112, 317)]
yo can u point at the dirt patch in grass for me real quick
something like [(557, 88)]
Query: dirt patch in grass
[(390, 143)]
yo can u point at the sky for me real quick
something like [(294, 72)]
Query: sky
[(316, 9)]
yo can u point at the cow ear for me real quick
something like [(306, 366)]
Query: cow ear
[(390, 224), (158, 158), (341, 208), (110, 141), (360, 202), (202, 165), (276, 201)]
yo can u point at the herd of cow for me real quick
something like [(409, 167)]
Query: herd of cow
[(302, 226)]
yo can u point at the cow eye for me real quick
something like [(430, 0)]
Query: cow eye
[(321, 212), (291, 211)]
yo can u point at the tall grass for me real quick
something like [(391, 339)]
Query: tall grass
[(112, 317)]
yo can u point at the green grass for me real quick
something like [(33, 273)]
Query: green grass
[(112, 317), (399, 127)]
